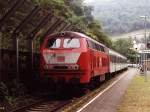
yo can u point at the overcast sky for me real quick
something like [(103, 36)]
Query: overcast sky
[(96, 1), (88, 1)]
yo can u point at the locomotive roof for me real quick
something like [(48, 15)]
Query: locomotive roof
[(74, 34)]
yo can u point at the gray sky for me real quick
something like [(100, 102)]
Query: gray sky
[(96, 1), (88, 1)]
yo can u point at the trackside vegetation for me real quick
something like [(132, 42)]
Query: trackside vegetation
[(136, 98), (79, 15)]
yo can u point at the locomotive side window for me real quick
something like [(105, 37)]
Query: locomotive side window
[(95, 46), (53, 43), (89, 43), (71, 43)]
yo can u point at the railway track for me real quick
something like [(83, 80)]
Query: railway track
[(57, 105), (44, 106)]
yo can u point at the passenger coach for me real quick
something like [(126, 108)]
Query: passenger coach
[(71, 57), (117, 61)]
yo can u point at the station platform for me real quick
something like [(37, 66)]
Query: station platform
[(108, 99)]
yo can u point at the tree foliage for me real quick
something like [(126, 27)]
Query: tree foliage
[(125, 47), (79, 15), (73, 11)]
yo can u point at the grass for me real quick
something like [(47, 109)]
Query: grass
[(137, 96)]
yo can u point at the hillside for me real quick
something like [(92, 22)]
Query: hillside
[(121, 16), (139, 34)]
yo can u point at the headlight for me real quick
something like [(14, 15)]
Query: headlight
[(74, 67)]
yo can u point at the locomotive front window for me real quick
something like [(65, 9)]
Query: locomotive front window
[(71, 43), (53, 43)]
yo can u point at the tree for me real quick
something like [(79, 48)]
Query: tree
[(124, 46), (76, 6)]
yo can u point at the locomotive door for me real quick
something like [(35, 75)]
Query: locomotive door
[(93, 61)]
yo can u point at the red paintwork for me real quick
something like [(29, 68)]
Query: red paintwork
[(88, 62)]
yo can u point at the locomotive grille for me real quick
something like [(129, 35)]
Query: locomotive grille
[(61, 67)]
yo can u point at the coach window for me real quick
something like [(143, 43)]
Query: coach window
[(99, 48), (96, 45), (114, 58), (53, 43), (120, 60), (93, 45), (102, 48), (71, 43)]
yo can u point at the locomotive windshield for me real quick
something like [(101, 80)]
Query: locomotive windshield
[(71, 43), (66, 43), (53, 43)]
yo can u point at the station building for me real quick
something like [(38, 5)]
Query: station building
[(145, 56)]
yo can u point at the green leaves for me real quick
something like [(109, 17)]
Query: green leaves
[(124, 46), (72, 11)]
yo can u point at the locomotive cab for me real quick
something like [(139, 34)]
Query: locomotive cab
[(60, 57)]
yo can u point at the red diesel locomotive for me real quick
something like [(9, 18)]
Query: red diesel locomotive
[(74, 57)]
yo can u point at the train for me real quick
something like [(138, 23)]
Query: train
[(73, 57)]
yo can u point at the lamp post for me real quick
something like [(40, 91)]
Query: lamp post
[(145, 56), (135, 47)]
